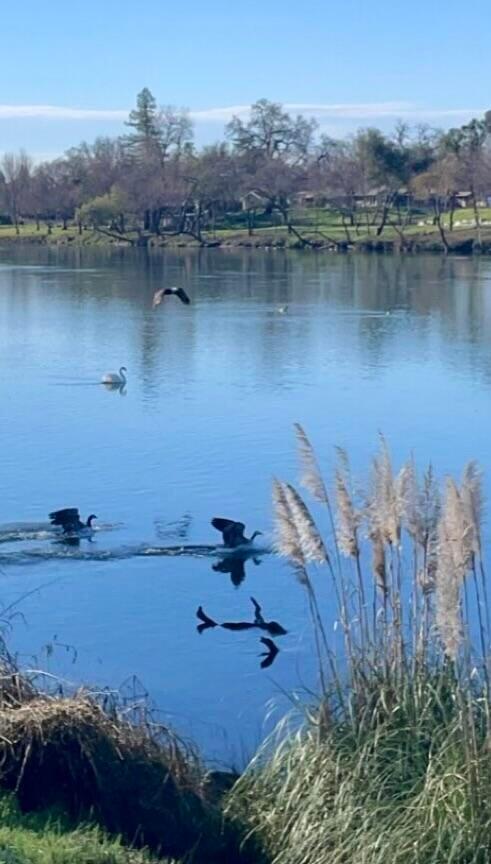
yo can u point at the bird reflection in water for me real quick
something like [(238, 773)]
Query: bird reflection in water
[(273, 628), (235, 566), (270, 654), (115, 388), (71, 541)]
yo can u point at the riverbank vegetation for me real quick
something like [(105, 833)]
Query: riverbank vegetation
[(105, 778), (390, 762), (273, 181), (394, 763)]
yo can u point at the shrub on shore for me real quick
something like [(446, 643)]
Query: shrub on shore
[(137, 780)]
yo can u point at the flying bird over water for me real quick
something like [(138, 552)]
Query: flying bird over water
[(163, 292), (233, 533), (70, 522)]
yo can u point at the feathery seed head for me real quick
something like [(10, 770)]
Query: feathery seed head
[(348, 519), (311, 542), (311, 476)]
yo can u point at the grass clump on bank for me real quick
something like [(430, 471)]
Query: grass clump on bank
[(394, 763), (135, 780)]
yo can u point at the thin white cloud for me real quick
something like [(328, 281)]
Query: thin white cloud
[(321, 111), (347, 111), (55, 112)]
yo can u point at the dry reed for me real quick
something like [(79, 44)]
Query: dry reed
[(453, 561), (311, 476), (348, 517), (401, 769)]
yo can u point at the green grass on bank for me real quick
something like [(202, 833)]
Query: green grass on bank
[(315, 224), (29, 229), (50, 838)]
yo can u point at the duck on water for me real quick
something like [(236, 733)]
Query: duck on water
[(66, 522), (69, 521)]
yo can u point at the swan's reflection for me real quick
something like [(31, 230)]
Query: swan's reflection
[(235, 566), (115, 388)]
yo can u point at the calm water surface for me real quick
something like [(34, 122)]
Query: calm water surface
[(205, 422)]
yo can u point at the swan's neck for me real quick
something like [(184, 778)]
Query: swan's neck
[(256, 534), (122, 375)]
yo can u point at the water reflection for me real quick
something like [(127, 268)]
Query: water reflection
[(270, 654), (369, 343), (273, 628), (234, 565), (115, 388), (174, 529), (454, 290)]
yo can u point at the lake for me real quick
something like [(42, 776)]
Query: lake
[(204, 424)]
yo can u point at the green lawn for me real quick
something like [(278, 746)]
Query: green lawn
[(311, 223), (29, 230), (467, 215)]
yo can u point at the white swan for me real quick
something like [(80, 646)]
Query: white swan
[(114, 378)]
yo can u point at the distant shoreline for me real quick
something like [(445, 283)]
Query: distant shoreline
[(460, 243)]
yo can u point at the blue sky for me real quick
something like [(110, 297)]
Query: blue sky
[(350, 63)]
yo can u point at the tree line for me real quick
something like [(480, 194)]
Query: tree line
[(154, 180)]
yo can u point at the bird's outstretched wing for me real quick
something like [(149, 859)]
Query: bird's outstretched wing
[(158, 297), (163, 292), (223, 524), (67, 518), (179, 292), (232, 532)]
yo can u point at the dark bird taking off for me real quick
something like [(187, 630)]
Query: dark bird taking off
[(233, 532), (163, 292), (69, 520)]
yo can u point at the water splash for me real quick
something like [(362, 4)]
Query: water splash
[(62, 550)]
